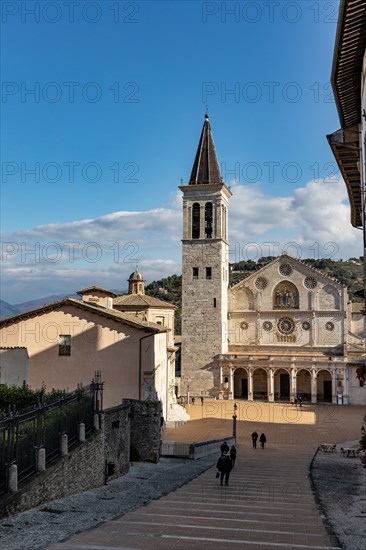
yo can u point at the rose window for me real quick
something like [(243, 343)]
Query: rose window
[(261, 283), (306, 325), (244, 325), (286, 325), (310, 282), (329, 326), (285, 270), (267, 326)]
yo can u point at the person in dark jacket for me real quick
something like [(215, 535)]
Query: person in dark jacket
[(224, 467), (262, 439), (224, 448), (254, 439), (233, 455)]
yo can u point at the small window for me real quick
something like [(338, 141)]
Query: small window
[(208, 273), (195, 273), (214, 302), (64, 347)]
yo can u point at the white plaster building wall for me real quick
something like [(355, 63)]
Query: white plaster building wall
[(155, 370), (165, 317), (97, 343), (14, 366)]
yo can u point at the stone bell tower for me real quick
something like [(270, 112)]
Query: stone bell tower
[(205, 270)]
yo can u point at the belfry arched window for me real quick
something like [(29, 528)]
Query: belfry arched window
[(208, 220), (196, 221)]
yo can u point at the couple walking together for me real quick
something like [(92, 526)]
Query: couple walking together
[(262, 440)]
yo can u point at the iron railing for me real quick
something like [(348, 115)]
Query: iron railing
[(22, 432)]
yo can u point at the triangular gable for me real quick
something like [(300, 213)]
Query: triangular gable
[(319, 275)]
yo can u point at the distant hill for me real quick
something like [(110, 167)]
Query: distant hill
[(349, 273), (34, 304), (7, 310)]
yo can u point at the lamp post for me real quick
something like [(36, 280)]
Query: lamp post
[(234, 422)]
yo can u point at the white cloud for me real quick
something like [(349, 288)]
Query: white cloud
[(105, 250)]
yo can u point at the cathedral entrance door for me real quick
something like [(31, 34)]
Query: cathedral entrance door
[(284, 386), (327, 390), (244, 388)]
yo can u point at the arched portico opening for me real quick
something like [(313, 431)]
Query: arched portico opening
[(240, 383), (303, 384), (260, 384), (324, 386), (281, 385)]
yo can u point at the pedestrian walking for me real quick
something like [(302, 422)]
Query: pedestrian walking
[(262, 439), (292, 400), (224, 448), (233, 455), (254, 439), (202, 401), (192, 400), (224, 467), (299, 400)]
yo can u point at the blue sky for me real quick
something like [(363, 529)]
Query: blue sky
[(120, 95)]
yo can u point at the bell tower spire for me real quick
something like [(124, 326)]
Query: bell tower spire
[(205, 273), (206, 168)]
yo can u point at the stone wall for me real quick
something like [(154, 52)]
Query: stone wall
[(82, 469), (116, 429), (145, 417), (132, 427)]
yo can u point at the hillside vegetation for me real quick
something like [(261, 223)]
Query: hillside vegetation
[(348, 272)]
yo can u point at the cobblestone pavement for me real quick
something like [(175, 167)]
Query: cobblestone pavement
[(268, 504)]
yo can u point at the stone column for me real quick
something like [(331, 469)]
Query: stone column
[(231, 383), (250, 384), (64, 444), (40, 459), (221, 383), (81, 432), (334, 385), (293, 386), (13, 478), (270, 385), (202, 221), (345, 386), (314, 386)]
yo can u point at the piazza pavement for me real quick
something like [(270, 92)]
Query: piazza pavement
[(269, 502)]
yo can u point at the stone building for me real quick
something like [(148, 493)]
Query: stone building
[(128, 338), (285, 330)]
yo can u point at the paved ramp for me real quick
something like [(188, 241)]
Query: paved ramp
[(267, 505)]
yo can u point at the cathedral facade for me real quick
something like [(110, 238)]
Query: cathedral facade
[(285, 330)]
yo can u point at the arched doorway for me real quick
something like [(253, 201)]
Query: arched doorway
[(260, 385), (303, 384), (281, 385), (324, 386), (240, 383)]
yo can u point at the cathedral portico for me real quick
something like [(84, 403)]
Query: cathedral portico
[(278, 378)]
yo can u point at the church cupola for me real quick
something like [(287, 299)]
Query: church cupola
[(136, 283)]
